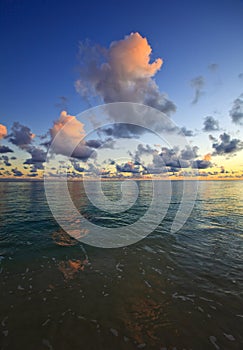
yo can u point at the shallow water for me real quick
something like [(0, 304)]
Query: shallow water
[(168, 291)]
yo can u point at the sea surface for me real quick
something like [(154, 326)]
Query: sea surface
[(168, 291)]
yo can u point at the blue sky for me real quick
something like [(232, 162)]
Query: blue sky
[(39, 47)]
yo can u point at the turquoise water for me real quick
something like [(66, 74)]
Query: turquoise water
[(168, 291)]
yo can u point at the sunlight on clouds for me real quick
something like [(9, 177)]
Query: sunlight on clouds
[(3, 131)]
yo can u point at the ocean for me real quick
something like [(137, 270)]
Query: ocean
[(181, 290)]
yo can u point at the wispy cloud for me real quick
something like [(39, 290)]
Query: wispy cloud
[(197, 84), (236, 112)]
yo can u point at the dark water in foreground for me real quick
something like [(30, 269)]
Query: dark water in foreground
[(180, 291)]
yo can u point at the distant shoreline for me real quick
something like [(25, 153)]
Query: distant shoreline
[(128, 179)]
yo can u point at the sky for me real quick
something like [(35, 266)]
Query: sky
[(188, 65)]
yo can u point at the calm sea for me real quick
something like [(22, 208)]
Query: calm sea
[(168, 291)]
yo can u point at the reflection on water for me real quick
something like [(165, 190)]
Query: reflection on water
[(71, 267), (63, 239), (181, 291)]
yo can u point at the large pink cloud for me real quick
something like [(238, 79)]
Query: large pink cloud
[(122, 73), (130, 58)]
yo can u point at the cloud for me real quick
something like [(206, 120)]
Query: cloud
[(33, 174), (123, 130), (213, 67), (189, 153), (197, 84), (62, 104), (17, 172), (38, 157), (70, 133), (83, 153), (77, 166), (201, 164), (186, 132), (6, 160), (212, 138), (128, 167), (107, 143), (142, 150), (226, 145), (3, 131), (236, 112), (210, 124), (74, 129), (207, 157), (5, 149), (240, 76), (21, 135), (94, 143), (122, 73), (171, 159)]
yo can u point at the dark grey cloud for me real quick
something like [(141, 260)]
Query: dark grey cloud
[(189, 153), (17, 172), (94, 143), (226, 145), (186, 132), (169, 159), (128, 168), (210, 124), (212, 138), (240, 76), (5, 149), (5, 160), (123, 130), (33, 174), (99, 143), (236, 112), (111, 162), (38, 157), (77, 166), (20, 135), (197, 84), (201, 164), (83, 153), (140, 151)]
